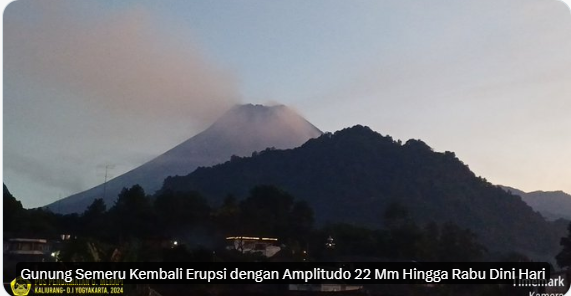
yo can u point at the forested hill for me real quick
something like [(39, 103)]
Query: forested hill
[(552, 205), (353, 174)]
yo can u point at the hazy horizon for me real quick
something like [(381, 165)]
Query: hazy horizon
[(95, 83)]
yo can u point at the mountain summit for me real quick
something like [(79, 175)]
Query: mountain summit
[(240, 131)]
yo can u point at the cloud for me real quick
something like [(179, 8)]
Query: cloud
[(88, 83), (56, 178), (122, 62)]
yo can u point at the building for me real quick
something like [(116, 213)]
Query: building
[(27, 249), (266, 246)]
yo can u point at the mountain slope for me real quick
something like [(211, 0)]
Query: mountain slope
[(240, 131), (352, 176), (552, 205)]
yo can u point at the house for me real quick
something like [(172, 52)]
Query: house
[(27, 249), (266, 246)]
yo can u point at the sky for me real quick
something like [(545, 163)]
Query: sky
[(100, 85)]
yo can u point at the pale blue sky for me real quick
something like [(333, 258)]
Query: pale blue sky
[(90, 83)]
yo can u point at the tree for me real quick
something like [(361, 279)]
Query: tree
[(266, 211), (13, 211), (270, 211), (459, 245), (81, 250), (351, 240), (176, 210), (94, 219), (301, 220), (133, 214), (564, 257), (403, 234), (396, 215), (96, 209), (227, 217)]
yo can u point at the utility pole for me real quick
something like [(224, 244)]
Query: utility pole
[(105, 182)]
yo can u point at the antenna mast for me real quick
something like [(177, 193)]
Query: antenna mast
[(105, 182)]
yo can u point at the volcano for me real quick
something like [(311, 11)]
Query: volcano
[(241, 131)]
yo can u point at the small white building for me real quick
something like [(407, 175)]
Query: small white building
[(27, 249), (266, 246)]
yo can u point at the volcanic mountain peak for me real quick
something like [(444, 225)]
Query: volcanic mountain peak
[(275, 126), (240, 131)]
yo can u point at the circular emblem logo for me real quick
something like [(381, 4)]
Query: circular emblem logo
[(20, 286)]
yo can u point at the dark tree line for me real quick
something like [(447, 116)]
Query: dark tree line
[(137, 220), (143, 225), (403, 239), (564, 257)]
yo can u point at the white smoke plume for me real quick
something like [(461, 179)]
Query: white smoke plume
[(123, 62), (86, 86)]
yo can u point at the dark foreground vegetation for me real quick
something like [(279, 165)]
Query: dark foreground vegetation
[(140, 228), (145, 227)]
